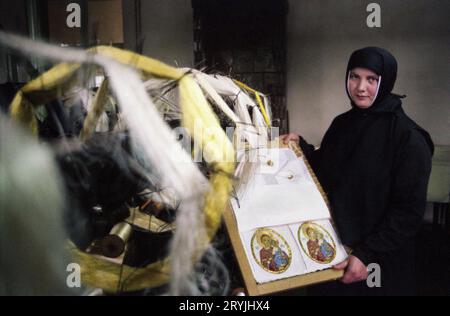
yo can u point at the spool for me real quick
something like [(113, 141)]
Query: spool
[(113, 245)]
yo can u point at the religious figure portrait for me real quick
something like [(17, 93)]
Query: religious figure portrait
[(316, 242), (271, 251)]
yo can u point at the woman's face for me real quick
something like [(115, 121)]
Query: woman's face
[(363, 86)]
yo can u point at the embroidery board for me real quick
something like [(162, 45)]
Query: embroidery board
[(251, 246)]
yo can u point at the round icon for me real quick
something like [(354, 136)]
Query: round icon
[(316, 242), (270, 250)]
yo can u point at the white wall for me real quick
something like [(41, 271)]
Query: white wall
[(321, 36)]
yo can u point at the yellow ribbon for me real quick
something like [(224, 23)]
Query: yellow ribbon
[(258, 100)]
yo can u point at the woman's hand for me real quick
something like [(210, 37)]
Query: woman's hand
[(286, 138), (355, 270)]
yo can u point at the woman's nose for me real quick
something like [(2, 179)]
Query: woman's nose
[(361, 85)]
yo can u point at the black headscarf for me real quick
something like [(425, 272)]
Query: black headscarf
[(381, 62)]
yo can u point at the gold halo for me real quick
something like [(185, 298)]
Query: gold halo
[(304, 227), (260, 232)]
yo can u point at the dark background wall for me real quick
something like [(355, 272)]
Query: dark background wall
[(166, 28), (13, 19)]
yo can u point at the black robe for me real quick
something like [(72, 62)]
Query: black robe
[(374, 165)]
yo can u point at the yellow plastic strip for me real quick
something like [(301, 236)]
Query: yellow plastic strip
[(45, 86), (146, 64), (23, 112), (258, 100), (112, 277)]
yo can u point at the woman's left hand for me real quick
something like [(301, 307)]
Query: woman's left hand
[(286, 138), (355, 270)]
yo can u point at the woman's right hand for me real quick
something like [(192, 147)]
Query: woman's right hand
[(286, 138)]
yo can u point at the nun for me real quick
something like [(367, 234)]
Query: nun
[(374, 164)]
